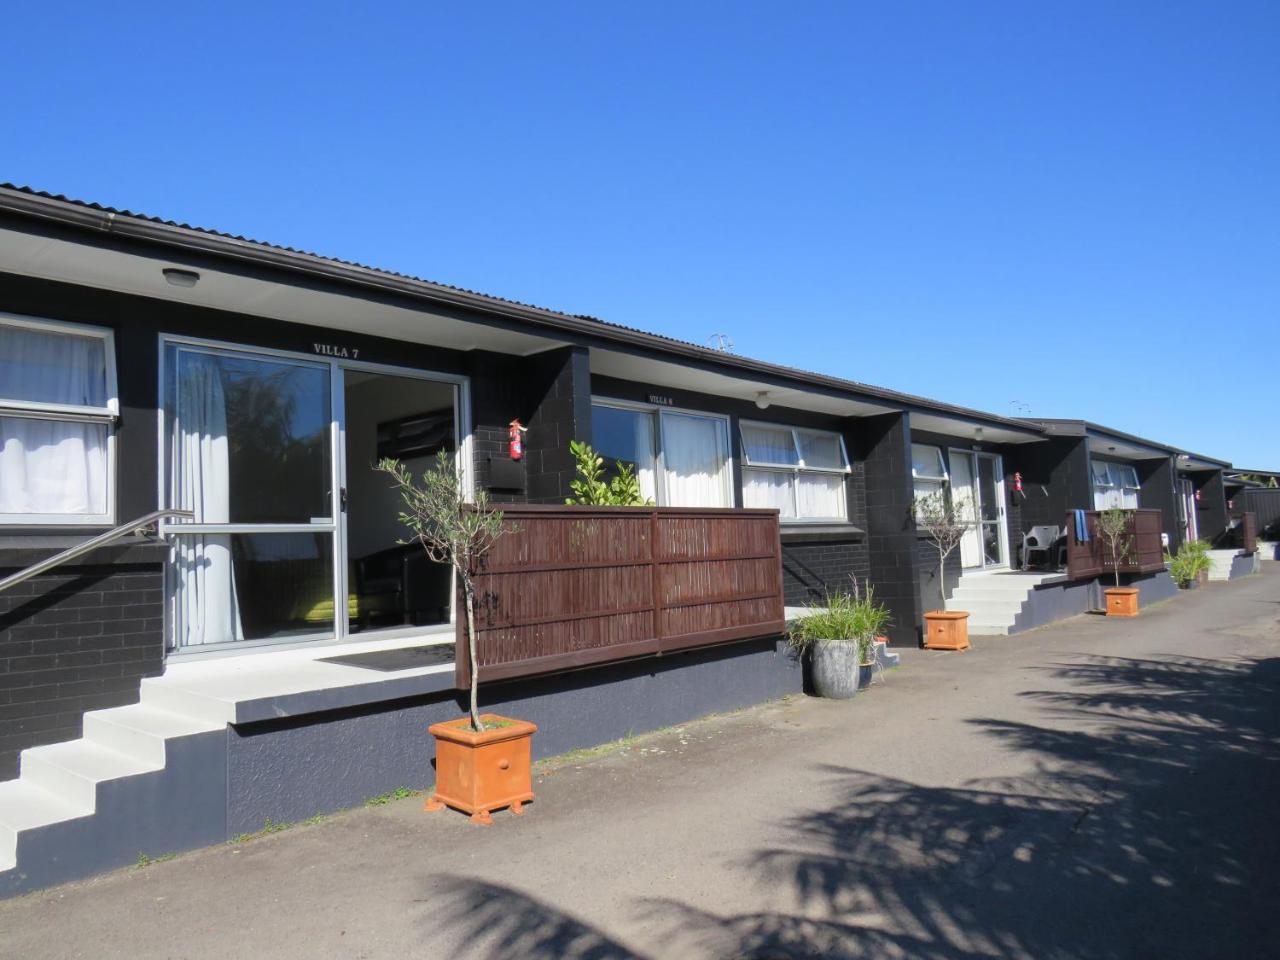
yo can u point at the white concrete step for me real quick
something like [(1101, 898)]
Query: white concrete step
[(977, 593), (142, 731), (1220, 562), (73, 770), (26, 806), (164, 694)]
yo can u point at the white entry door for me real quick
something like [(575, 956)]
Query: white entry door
[(977, 486)]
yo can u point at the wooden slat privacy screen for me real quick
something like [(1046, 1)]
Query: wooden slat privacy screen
[(1248, 531), (569, 587), (1091, 558)]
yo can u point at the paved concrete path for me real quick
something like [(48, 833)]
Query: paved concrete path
[(1099, 788)]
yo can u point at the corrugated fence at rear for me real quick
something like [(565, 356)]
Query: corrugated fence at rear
[(569, 587)]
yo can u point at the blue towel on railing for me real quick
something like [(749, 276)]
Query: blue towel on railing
[(1082, 526)]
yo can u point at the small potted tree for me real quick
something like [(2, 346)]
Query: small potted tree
[(943, 521), (1114, 529), (839, 640), (483, 762)]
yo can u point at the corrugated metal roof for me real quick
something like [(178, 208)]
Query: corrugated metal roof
[(495, 302)]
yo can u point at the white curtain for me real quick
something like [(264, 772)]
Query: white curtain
[(40, 366), (821, 495), (646, 461), (54, 467), (202, 580), (964, 496), (766, 445), (768, 489), (694, 453), (821, 450)]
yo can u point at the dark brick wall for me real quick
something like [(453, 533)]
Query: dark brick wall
[(550, 393), (1156, 492), (885, 453), (813, 568), (931, 598), (561, 381), (1211, 506), (77, 640), (1055, 479)]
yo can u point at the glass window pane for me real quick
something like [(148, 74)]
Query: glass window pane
[(251, 586), (53, 467), (1101, 475), (821, 496), (768, 489), (821, 450), (250, 439), (769, 445), (694, 457), (926, 461), (1129, 477), (43, 366), (626, 435)]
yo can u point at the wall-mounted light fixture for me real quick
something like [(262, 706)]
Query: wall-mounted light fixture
[(181, 278), (762, 399), (977, 433)]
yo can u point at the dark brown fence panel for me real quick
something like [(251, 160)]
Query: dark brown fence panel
[(569, 587), (1091, 558), (1248, 531)]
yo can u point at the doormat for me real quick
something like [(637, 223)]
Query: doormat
[(406, 658)]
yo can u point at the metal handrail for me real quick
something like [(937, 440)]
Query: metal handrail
[(151, 519)]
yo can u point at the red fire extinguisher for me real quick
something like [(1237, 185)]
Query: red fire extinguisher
[(516, 445)]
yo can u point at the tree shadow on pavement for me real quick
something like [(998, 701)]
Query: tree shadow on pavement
[(1145, 829)]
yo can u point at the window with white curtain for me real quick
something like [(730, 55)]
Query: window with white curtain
[(800, 472), (681, 458), (928, 471), (1115, 485), (58, 408)]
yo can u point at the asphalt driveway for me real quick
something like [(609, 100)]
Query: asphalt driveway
[(1098, 788)]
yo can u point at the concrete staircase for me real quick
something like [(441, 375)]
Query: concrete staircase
[(993, 598), (63, 787), (1220, 564)]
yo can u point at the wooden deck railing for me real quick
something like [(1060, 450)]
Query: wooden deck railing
[(1248, 531), (569, 587), (1091, 558)]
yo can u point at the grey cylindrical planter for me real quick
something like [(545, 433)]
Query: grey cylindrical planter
[(835, 668)]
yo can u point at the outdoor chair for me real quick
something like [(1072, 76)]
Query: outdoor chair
[(1040, 540)]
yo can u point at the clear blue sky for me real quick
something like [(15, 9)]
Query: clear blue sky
[(979, 202)]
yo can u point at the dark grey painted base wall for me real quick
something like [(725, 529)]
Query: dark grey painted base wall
[(290, 770), (216, 786), (1050, 602)]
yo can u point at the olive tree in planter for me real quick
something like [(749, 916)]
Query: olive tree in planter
[(943, 521), (840, 641), (1114, 529), (484, 762)]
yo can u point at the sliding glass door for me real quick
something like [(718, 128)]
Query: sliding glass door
[(250, 443), (977, 489)]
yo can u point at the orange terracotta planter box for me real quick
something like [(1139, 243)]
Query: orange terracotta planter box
[(946, 630), (1122, 601), (478, 773)]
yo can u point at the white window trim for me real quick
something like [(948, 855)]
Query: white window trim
[(107, 414), (660, 466), (798, 468)]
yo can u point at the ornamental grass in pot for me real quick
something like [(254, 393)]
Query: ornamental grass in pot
[(839, 641), (1190, 568)]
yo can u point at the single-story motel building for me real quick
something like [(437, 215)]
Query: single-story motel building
[(265, 648)]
